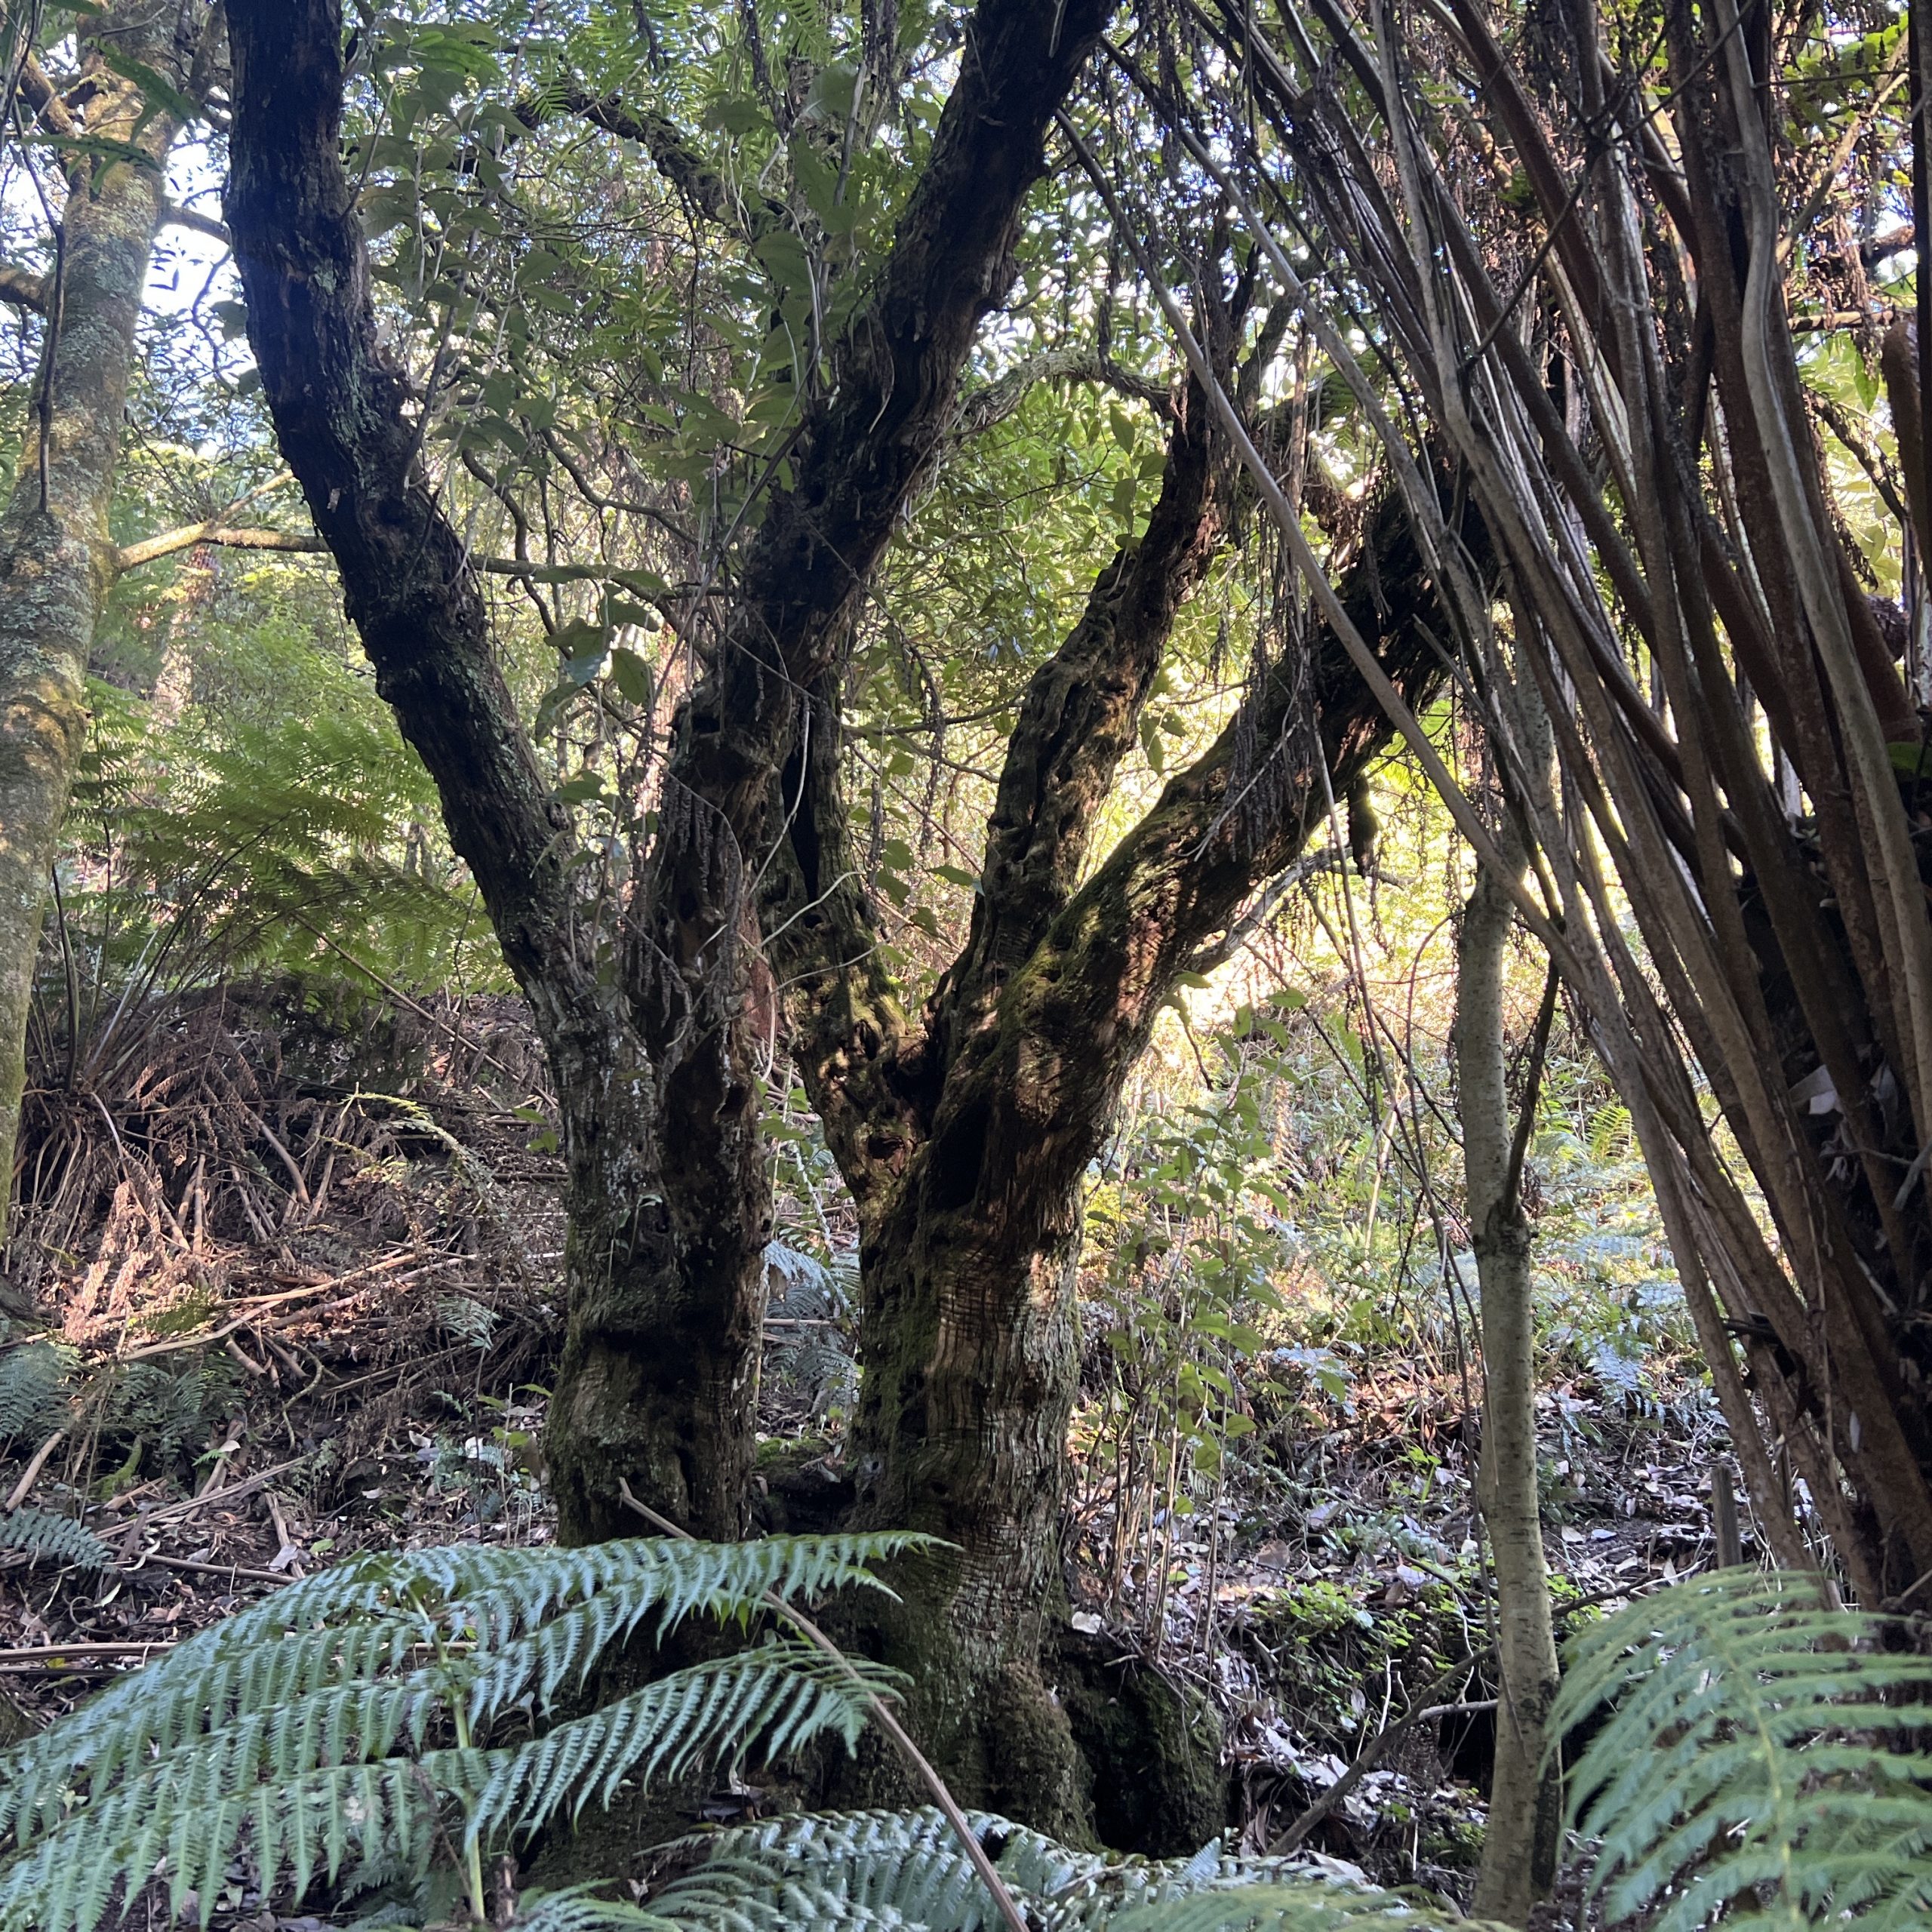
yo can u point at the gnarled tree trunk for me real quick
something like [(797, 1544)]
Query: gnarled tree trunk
[(669, 1196), (965, 1139)]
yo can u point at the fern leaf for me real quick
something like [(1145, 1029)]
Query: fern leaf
[(309, 1653), (908, 1869), (36, 1388), (1755, 1763), (310, 1729), (56, 1539), (1302, 1908)]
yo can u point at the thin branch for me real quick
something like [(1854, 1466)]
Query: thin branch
[(22, 288), (176, 216), (190, 535)]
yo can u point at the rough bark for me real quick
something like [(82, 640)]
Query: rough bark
[(1524, 1831), (965, 1140), (699, 989), (56, 558), (339, 410), (670, 1191)]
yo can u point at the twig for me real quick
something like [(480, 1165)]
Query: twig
[(249, 1364), (31, 1475), (195, 1567), (57, 1653), (258, 1305), (288, 1555), (234, 1493), (976, 1852)]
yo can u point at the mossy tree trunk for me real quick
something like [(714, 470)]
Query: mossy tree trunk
[(1524, 1832), (340, 408), (669, 1193), (700, 989), (965, 1136), (58, 560)]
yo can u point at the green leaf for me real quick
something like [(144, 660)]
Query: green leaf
[(834, 89), (583, 646), (735, 114), (958, 875), (631, 676)]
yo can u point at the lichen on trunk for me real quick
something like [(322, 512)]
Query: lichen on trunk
[(58, 561)]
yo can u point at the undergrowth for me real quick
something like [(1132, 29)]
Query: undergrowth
[(391, 1725)]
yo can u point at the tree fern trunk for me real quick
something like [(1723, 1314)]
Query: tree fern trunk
[(56, 558)]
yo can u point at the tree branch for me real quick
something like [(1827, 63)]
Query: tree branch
[(339, 411), (178, 216), (672, 152), (22, 288), (1079, 719), (858, 458), (192, 536), (1036, 1084), (997, 400), (856, 1050), (40, 93)]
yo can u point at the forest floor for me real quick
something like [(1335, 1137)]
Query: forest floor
[(358, 1362)]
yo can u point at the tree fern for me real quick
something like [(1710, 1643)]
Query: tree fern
[(343, 1729), (1757, 1762)]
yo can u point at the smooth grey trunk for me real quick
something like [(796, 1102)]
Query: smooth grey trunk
[(58, 561), (1520, 1846)]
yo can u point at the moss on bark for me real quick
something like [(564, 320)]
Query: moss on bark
[(1153, 1749)]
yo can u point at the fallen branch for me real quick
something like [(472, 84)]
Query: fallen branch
[(58, 1653), (258, 1305), (31, 1475), (195, 1567), (234, 1493)]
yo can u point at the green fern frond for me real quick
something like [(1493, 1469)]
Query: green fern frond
[(321, 1731), (57, 1539), (908, 1869), (1305, 1907), (580, 1910), (36, 1388), (782, 1695), (1757, 1762)]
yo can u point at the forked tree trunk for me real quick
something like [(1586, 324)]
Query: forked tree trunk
[(1524, 1832), (966, 1140), (56, 558), (669, 1194)]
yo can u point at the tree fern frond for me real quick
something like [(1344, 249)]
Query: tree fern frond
[(1755, 1764), (1305, 1907), (580, 1910), (313, 1729), (782, 1696), (306, 1653), (36, 1388), (908, 1869)]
